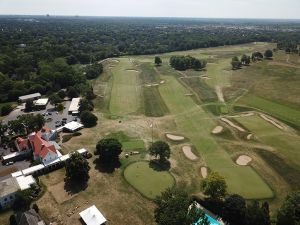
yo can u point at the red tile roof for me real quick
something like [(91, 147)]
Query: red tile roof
[(42, 147), (22, 143)]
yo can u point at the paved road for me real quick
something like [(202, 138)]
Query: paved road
[(20, 165)]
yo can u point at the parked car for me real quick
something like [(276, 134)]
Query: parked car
[(50, 113), (64, 119), (9, 163)]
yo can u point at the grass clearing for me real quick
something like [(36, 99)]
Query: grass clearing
[(146, 180), (133, 145)]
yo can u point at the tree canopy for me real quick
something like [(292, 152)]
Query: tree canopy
[(108, 150), (77, 168), (234, 210), (268, 54), (157, 60), (88, 119), (289, 212), (187, 62), (214, 186), (160, 149)]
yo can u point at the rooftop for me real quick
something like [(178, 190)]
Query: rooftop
[(92, 216), (72, 126), (25, 97), (8, 186), (25, 182), (41, 102), (74, 106)]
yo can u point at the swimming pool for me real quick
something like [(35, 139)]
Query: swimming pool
[(211, 220)]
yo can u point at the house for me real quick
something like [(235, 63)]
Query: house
[(41, 103), (33, 96), (10, 186), (92, 216), (74, 106), (30, 217), (23, 145)]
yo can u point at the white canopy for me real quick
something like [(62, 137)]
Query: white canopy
[(92, 216), (73, 126)]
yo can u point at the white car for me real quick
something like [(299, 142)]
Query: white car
[(9, 163)]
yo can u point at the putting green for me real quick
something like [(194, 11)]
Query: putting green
[(196, 124), (147, 181), (125, 95)]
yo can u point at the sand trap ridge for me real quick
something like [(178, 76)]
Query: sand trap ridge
[(162, 82), (217, 130), (249, 136), (204, 172), (270, 120), (187, 150), (132, 70), (243, 160), (174, 137), (233, 125)]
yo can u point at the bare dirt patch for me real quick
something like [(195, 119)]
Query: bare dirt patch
[(204, 172), (173, 137), (272, 121), (243, 160), (249, 136), (59, 193), (230, 123), (187, 150), (217, 130)]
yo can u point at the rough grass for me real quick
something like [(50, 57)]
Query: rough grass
[(193, 122), (153, 103), (146, 180), (133, 145)]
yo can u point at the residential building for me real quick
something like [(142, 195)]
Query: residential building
[(30, 217), (32, 97), (74, 106), (41, 103)]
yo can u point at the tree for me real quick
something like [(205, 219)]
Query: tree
[(23, 200), (27, 123), (268, 54), (3, 130), (88, 119), (214, 186), (61, 94), (289, 212), (175, 207), (13, 220), (35, 207), (54, 99), (72, 92), (108, 150), (93, 71), (160, 149), (245, 60), (257, 56), (89, 94), (29, 105), (77, 168), (256, 215), (234, 210), (6, 109), (85, 105), (60, 107), (235, 62), (157, 60)]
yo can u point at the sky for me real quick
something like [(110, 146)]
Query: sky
[(276, 9)]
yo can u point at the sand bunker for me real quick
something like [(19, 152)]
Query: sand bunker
[(217, 130), (115, 60), (233, 125), (270, 120), (243, 160), (131, 70), (249, 136), (174, 137), (188, 94), (205, 77), (152, 85), (162, 82), (187, 150), (243, 115), (204, 172)]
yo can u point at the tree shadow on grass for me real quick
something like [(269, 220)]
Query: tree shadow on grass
[(158, 165), (73, 187), (105, 167)]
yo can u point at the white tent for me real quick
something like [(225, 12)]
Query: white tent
[(92, 216), (73, 126)]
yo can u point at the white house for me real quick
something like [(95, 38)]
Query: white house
[(92, 216)]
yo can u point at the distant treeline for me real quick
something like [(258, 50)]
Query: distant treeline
[(187, 62), (39, 54)]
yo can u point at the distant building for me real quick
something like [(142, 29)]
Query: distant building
[(10, 186), (30, 217), (73, 126), (92, 216), (34, 96), (41, 103), (74, 106)]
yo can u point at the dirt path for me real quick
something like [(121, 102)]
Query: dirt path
[(230, 123), (219, 93)]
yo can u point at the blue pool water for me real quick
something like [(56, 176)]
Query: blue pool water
[(211, 220)]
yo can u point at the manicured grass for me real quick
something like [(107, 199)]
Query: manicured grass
[(125, 95), (133, 145), (285, 142), (285, 113), (193, 122), (149, 182)]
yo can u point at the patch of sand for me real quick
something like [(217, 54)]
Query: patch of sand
[(188, 94), (217, 130), (219, 93), (131, 70), (205, 77), (174, 137), (243, 115), (187, 150), (249, 136), (243, 160), (115, 60), (270, 120), (204, 172), (162, 82), (152, 85), (230, 123)]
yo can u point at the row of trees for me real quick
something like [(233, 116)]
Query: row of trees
[(245, 60), (187, 62)]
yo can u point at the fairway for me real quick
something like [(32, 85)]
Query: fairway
[(147, 181), (286, 143), (193, 122), (125, 94)]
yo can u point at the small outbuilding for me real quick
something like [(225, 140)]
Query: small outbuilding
[(92, 216), (73, 126), (74, 106), (34, 96), (41, 103)]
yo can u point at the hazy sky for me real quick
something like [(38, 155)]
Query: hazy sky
[(163, 8)]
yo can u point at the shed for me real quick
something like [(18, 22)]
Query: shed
[(92, 216), (73, 126), (74, 106), (33, 96)]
